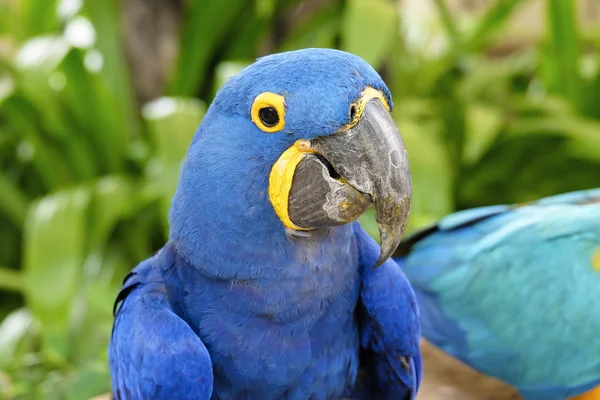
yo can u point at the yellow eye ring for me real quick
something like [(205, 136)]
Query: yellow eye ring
[(268, 112)]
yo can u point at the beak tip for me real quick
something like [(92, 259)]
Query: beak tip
[(389, 240), (378, 263)]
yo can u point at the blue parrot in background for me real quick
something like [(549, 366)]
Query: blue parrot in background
[(514, 292), (266, 287)]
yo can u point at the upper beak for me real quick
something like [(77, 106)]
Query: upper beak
[(337, 177)]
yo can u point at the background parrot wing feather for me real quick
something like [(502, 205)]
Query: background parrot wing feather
[(154, 353), (506, 289)]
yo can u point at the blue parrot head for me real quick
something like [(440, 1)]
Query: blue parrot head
[(296, 142)]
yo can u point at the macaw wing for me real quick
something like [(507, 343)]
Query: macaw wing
[(153, 353), (506, 289), (389, 327)]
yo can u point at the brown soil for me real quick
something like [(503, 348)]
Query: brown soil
[(444, 378)]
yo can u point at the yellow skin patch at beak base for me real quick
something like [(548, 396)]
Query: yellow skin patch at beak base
[(367, 95), (282, 173), (281, 177)]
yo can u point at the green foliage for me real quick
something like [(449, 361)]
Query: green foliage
[(87, 176)]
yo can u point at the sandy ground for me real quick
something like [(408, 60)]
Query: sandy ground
[(447, 379), (444, 378)]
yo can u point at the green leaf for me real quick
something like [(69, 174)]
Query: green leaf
[(265, 8), (38, 16), (95, 105), (563, 51), (583, 132), (43, 53), (10, 280), (493, 20), (483, 126), (431, 168), (112, 200), (491, 80), (318, 31), (44, 64), (204, 28), (369, 29), (54, 241), (90, 382), (48, 164), (13, 329), (114, 71), (13, 202), (448, 21), (171, 124)]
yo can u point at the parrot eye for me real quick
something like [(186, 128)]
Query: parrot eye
[(268, 116), (268, 112)]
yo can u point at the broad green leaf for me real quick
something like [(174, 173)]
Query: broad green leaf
[(483, 126), (171, 124), (583, 132), (538, 165), (431, 169), (533, 106), (10, 280), (491, 80), (206, 24), (95, 105), (13, 329), (265, 8), (449, 23), (7, 87), (13, 202), (38, 16), (249, 37), (369, 29), (114, 70), (91, 381), (44, 64), (42, 53), (10, 21), (111, 201), (494, 19), (46, 161), (103, 284), (318, 31), (54, 241), (563, 51)]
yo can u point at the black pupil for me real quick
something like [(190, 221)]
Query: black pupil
[(268, 116)]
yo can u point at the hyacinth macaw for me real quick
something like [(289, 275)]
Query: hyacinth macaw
[(514, 292), (266, 287)]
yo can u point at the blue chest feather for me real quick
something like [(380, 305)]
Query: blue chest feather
[(265, 335)]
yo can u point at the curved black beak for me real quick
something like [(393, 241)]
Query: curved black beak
[(365, 164)]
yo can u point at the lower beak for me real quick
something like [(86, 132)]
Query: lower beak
[(337, 177)]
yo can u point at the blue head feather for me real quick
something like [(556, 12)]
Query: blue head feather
[(223, 187)]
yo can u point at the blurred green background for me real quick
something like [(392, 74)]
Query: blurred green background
[(99, 99)]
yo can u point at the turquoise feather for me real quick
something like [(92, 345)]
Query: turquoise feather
[(514, 291)]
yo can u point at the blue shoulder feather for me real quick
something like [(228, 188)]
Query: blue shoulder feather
[(153, 353), (389, 326)]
